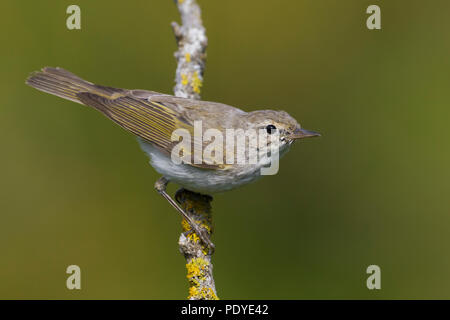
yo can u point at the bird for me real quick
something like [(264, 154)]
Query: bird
[(154, 117)]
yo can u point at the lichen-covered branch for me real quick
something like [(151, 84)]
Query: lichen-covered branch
[(191, 54), (198, 256)]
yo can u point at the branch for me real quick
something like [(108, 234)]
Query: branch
[(191, 54)]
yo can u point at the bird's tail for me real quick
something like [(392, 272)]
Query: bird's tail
[(65, 84)]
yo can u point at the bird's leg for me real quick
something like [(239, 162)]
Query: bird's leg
[(161, 186)]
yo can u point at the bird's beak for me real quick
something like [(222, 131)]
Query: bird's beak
[(302, 133)]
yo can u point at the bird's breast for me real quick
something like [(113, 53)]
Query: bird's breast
[(199, 179)]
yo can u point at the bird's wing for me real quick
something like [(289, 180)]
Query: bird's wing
[(153, 121)]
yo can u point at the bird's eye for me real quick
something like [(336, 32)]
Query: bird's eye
[(271, 129)]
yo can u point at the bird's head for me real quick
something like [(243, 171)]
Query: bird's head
[(280, 123)]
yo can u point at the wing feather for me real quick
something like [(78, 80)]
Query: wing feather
[(149, 120), (152, 120)]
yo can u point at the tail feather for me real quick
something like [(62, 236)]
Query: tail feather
[(65, 84), (62, 73)]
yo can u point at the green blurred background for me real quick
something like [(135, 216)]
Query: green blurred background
[(76, 189)]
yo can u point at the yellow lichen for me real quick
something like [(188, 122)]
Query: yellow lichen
[(211, 295), (208, 294), (185, 225), (193, 237), (187, 56), (184, 79), (196, 82), (193, 292), (203, 293), (195, 267), (204, 224)]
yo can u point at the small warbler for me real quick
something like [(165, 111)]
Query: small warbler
[(154, 117)]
